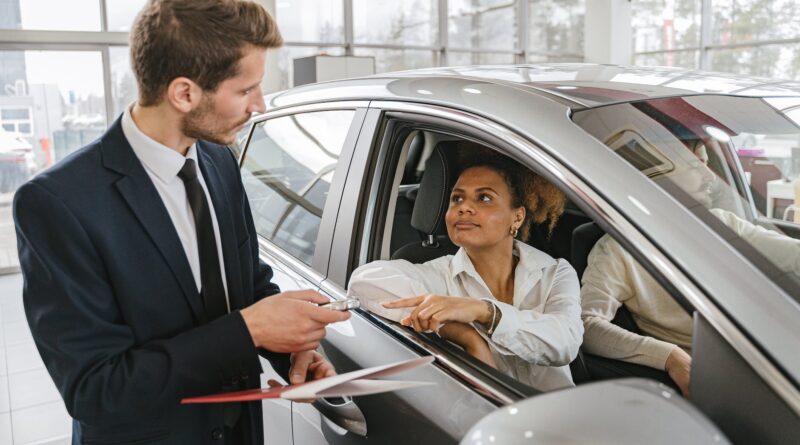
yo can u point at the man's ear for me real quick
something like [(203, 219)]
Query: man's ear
[(184, 94)]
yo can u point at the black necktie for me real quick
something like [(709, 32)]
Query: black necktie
[(212, 289)]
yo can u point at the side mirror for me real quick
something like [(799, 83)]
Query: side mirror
[(625, 411)]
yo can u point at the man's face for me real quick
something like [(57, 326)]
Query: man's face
[(223, 113), (697, 179)]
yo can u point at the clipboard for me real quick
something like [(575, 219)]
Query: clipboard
[(356, 383)]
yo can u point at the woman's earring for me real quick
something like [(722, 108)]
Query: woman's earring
[(513, 231)]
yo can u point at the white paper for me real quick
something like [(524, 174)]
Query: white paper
[(360, 382)]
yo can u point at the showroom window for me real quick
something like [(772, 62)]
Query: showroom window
[(748, 37), (287, 172)]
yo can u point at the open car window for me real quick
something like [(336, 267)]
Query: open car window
[(688, 146)]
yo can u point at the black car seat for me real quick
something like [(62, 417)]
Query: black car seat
[(402, 231), (584, 237), (430, 207)]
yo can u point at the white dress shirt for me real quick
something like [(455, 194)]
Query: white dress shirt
[(162, 165), (613, 278), (537, 337)]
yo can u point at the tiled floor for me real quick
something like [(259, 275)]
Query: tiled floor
[(31, 410)]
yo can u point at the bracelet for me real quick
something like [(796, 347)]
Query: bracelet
[(492, 324)]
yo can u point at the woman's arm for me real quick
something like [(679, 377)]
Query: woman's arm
[(549, 337), (468, 338)]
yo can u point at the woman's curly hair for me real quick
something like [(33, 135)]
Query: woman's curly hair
[(541, 199)]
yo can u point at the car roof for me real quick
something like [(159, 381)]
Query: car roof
[(576, 85)]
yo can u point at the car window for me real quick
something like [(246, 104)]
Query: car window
[(688, 146), (409, 226), (287, 171)]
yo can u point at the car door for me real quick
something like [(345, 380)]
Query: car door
[(441, 413), (293, 168)]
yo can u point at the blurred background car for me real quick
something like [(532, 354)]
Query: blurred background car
[(17, 162)]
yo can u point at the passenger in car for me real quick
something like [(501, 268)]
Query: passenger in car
[(614, 278), (504, 301)]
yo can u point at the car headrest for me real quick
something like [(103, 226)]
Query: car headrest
[(434, 190), (584, 237), (415, 150)]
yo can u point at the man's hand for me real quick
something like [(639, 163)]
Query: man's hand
[(306, 365), (290, 321), (309, 365), (679, 366)]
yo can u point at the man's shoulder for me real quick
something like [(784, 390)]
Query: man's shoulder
[(218, 153), (79, 167)]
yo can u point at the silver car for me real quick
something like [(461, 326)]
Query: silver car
[(343, 173)]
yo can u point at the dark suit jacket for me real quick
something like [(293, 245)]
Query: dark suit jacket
[(112, 303)]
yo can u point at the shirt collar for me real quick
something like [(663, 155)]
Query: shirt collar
[(531, 260), (157, 158)]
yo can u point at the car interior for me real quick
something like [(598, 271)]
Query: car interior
[(426, 170)]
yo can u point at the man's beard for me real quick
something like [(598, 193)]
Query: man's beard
[(200, 123)]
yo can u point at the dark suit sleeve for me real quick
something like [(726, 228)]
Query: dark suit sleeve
[(92, 354)]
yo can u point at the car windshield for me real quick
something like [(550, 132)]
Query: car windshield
[(736, 157)]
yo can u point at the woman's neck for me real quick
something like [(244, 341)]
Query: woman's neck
[(496, 266)]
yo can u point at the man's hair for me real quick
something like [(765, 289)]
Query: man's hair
[(202, 40)]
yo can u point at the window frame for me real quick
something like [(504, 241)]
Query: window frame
[(317, 270)]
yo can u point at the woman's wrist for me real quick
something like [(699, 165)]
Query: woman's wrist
[(485, 308)]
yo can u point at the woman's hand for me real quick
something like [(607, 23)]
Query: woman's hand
[(468, 338), (431, 311)]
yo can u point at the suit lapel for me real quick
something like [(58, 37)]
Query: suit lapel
[(222, 199), (143, 199)]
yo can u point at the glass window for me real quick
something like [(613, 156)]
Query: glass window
[(51, 103), (556, 26), (680, 59), (736, 21), (412, 22), (488, 24), (388, 60), (73, 15), (311, 20), (17, 120), (690, 147), (123, 83), (287, 172), (467, 58), (774, 61), (286, 56), (665, 24), (121, 13)]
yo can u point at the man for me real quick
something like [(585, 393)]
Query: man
[(613, 278), (142, 278)]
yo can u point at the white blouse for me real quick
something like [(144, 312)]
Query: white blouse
[(537, 337)]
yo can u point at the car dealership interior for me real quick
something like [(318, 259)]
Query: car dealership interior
[(638, 83)]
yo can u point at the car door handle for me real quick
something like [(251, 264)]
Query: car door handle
[(343, 412)]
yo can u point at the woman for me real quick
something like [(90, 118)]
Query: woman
[(505, 302)]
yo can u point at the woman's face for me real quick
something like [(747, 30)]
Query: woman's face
[(480, 213)]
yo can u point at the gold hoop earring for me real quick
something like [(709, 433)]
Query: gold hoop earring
[(513, 232)]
